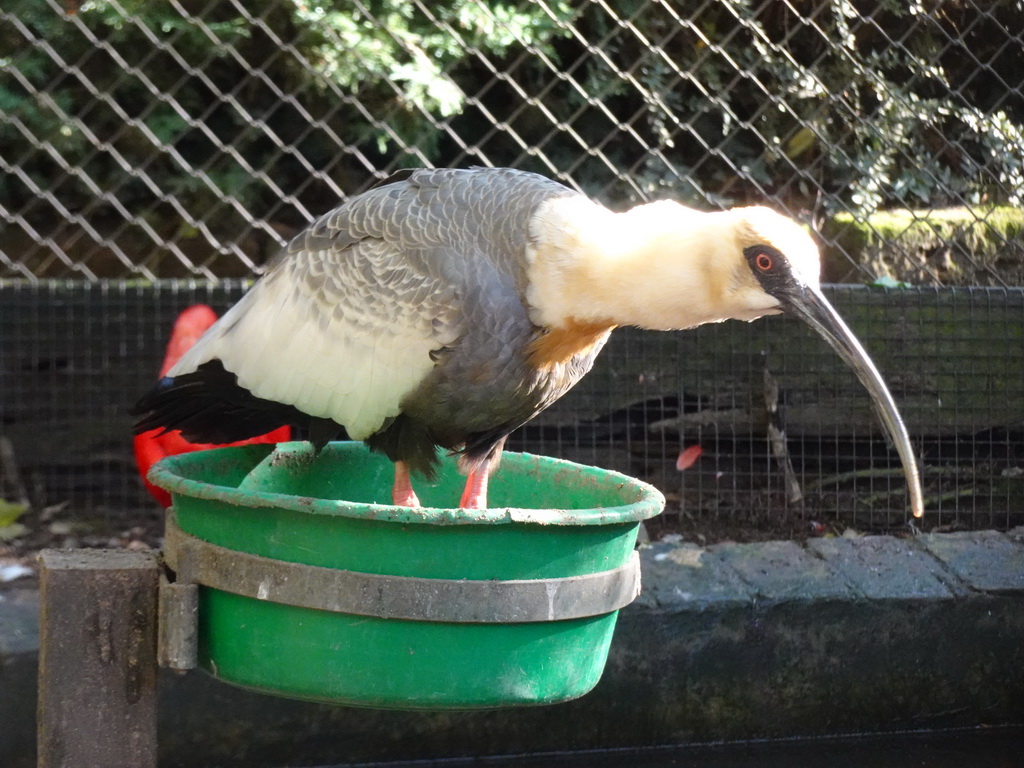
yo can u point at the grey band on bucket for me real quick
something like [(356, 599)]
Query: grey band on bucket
[(398, 597)]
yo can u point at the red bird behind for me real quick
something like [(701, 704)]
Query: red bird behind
[(154, 445)]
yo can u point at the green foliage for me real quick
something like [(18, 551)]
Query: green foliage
[(10, 512), (408, 50), (165, 112), (982, 245), (874, 104), (912, 147), (190, 119)]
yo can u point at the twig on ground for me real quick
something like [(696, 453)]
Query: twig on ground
[(777, 438)]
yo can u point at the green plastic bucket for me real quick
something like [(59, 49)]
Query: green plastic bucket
[(551, 522)]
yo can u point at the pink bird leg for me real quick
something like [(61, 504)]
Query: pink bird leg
[(402, 494), (475, 494)]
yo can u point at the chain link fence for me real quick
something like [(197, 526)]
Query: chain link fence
[(190, 138), (185, 141)]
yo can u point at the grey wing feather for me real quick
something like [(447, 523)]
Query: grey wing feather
[(353, 319)]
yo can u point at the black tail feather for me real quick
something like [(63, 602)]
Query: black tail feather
[(209, 406)]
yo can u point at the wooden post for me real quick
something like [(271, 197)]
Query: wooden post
[(97, 659)]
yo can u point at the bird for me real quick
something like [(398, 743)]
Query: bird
[(445, 308), (154, 445)]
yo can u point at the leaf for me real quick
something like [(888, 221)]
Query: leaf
[(801, 141), (688, 457), (9, 512)]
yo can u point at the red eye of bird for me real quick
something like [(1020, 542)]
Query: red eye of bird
[(763, 261)]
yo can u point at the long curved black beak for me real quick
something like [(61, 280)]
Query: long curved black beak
[(814, 308)]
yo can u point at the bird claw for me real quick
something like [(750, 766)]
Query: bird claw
[(406, 499)]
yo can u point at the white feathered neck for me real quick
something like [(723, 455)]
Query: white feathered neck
[(661, 266)]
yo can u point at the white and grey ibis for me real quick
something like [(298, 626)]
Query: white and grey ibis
[(446, 308)]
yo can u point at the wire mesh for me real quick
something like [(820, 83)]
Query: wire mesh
[(77, 354), (184, 142), (145, 139)]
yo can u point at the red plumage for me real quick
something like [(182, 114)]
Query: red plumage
[(157, 444)]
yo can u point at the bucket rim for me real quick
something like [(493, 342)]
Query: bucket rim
[(649, 500)]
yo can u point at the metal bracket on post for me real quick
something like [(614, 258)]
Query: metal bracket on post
[(177, 646), (196, 561)]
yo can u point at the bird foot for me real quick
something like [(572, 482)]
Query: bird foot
[(473, 502), (404, 499)]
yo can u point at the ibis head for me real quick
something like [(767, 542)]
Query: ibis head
[(665, 266)]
